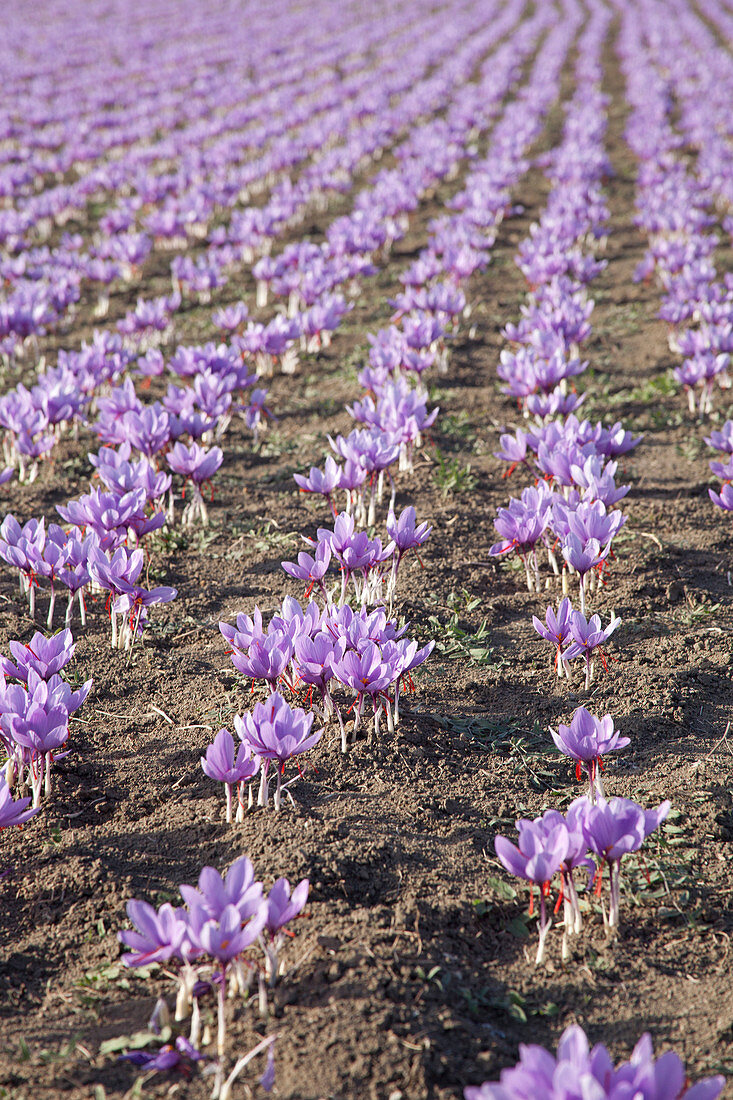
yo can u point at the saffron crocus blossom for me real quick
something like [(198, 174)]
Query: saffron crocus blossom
[(267, 658), (215, 892), (540, 854), (35, 717), (46, 655), (578, 1070), (367, 672), (322, 482), (312, 570), (13, 812), (158, 934), (224, 765), (225, 936), (723, 499), (614, 828), (276, 732), (108, 515), (522, 525), (587, 740), (282, 907), (513, 450), (133, 605), (315, 657), (556, 629), (582, 556), (588, 636), (406, 535), (197, 465)]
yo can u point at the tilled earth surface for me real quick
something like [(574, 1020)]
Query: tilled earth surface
[(412, 970)]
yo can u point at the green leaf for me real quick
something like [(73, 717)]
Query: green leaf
[(518, 928), (502, 888), (137, 1041)]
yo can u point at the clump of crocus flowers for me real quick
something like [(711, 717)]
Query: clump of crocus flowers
[(271, 735), (556, 844), (573, 636), (323, 648), (35, 707), (579, 1070), (226, 936), (362, 652), (595, 832)]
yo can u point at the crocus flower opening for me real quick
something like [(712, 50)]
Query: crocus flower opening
[(13, 812), (578, 1070), (614, 828), (276, 732), (587, 740), (230, 767), (282, 907), (556, 630), (540, 854), (587, 636)]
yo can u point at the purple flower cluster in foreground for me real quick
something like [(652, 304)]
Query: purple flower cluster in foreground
[(226, 937), (579, 1070)]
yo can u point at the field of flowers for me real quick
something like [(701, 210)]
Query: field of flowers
[(366, 549)]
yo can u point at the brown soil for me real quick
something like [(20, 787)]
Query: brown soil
[(412, 970)]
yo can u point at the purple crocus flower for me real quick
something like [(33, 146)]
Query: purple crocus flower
[(367, 672), (276, 732), (404, 532), (522, 525), (158, 934), (222, 764), (723, 499), (556, 629), (322, 481), (312, 570), (135, 603), (315, 657), (14, 812), (587, 636), (579, 1071), (225, 936), (587, 740), (405, 535), (46, 655), (38, 721), (540, 854), (282, 906), (614, 828), (198, 465), (722, 440), (582, 556), (237, 888), (267, 658), (513, 450)]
